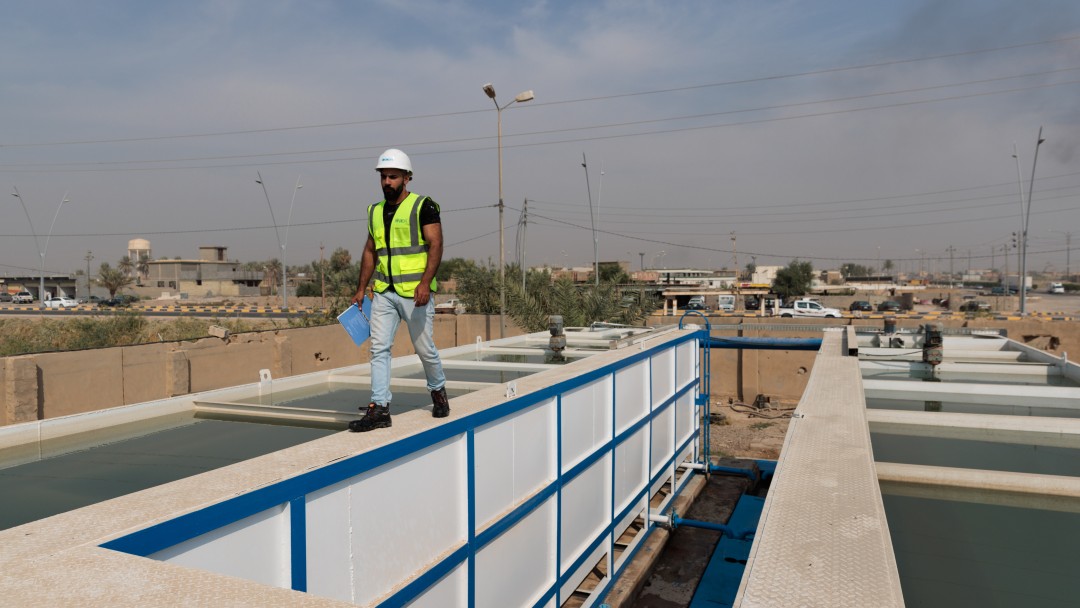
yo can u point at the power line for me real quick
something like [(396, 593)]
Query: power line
[(555, 102), (685, 245), (39, 167)]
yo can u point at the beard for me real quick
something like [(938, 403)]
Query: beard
[(391, 193)]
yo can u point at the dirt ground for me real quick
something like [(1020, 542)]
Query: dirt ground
[(740, 434)]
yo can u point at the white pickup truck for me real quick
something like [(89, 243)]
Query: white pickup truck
[(452, 306), (808, 308)]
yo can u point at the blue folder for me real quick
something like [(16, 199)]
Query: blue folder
[(357, 322)]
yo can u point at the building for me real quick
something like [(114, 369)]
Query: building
[(212, 274)]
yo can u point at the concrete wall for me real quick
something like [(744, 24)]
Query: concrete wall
[(35, 387)]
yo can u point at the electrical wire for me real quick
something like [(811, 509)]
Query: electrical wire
[(818, 72)]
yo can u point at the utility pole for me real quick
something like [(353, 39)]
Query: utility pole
[(1005, 277), (642, 255), (735, 253), (322, 272), (524, 229), (89, 256), (951, 251)]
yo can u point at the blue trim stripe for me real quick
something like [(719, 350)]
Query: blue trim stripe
[(294, 491), (298, 542), (471, 497), (558, 502)]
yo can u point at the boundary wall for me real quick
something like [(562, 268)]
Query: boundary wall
[(48, 385)]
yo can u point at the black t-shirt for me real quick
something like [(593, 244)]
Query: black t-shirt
[(429, 214)]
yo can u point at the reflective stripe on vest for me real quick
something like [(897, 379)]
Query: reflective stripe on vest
[(402, 254)]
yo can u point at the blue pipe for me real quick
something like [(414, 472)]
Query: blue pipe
[(727, 531), (765, 343)]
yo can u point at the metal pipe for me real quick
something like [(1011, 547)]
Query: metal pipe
[(715, 468), (727, 531), (766, 343)]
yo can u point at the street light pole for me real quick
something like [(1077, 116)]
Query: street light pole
[(1027, 217), (592, 222), (284, 246), (277, 233), (45, 251), (37, 244), (522, 97)]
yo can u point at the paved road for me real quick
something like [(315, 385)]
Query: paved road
[(245, 312)]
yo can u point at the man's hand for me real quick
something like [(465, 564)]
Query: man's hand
[(358, 299), (422, 294)]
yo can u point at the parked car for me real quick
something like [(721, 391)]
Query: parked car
[(696, 303), (23, 297), (5, 296), (806, 307), (452, 306), (889, 306), (1000, 291), (861, 306), (117, 302), (60, 302), (974, 306)]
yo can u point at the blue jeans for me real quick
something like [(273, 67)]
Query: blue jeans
[(388, 310)]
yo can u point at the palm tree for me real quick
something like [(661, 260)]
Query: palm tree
[(272, 270), (125, 265), (142, 266), (113, 279)]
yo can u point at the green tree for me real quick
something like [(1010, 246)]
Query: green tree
[(580, 305), (887, 266), (850, 269), (113, 279), (454, 267), (340, 259), (794, 279), (612, 272)]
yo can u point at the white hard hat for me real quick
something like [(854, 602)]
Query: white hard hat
[(394, 159)]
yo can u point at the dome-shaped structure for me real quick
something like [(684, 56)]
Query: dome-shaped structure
[(138, 245)]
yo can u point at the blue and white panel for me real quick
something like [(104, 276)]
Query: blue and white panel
[(515, 457), (518, 567), (631, 467), (685, 419), (586, 420), (256, 548), (586, 509), (631, 395), (663, 439), (686, 356), (397, 520), (663, 376)]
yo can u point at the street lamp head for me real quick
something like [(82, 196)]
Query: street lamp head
[(490, 90), (522, 97)]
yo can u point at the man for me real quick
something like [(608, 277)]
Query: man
[(403, 251)]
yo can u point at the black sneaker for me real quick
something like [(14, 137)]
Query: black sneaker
[(440, 404), (376, 417)]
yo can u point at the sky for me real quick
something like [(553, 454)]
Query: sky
[(713, 134)]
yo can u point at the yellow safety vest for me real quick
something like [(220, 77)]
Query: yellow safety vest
[(407, 251)]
